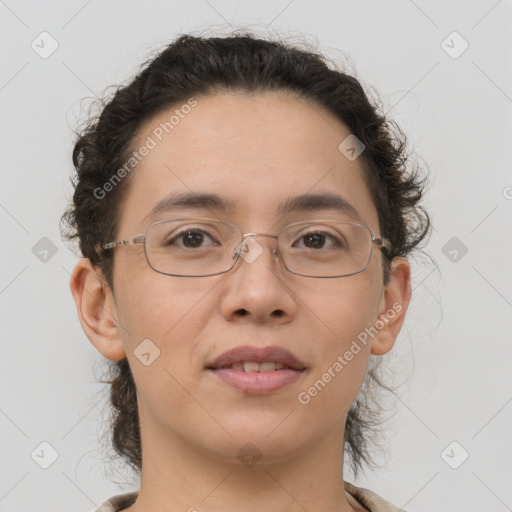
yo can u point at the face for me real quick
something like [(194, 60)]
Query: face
[(257, 152)]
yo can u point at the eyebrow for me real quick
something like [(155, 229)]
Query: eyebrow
[(217, 203), (314, 202)]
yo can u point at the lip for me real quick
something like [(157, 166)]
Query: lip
[(257, 382), (257, 355)]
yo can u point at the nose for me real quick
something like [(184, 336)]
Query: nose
[(256, 289)]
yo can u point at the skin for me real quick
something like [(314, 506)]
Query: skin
[(257, 150)]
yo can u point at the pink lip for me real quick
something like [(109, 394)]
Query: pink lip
[(257, 355), (257, 382)]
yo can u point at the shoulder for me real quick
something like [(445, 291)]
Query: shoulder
[(118, 502), (372, 501), (367, 498)]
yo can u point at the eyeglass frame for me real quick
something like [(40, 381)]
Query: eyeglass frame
[(381, 242)]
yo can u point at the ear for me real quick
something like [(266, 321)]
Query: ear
[(393, 306), (97, 309)]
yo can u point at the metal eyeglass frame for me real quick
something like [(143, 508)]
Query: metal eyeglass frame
[(382, 243)]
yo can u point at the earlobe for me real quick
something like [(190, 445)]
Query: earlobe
[(393, 306), (96, 310)]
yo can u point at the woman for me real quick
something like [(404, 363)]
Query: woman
[(244, 215)]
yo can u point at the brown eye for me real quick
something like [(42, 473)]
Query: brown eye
[(191, 239), (317, 240)]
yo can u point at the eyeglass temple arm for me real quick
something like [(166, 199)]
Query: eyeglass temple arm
[(130, 241), (382, 242)]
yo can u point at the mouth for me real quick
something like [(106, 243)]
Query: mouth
[(255, 367), (257, 370)]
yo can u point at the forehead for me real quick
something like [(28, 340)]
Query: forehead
[(256, 151)]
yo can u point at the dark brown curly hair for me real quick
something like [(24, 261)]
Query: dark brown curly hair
[(242, 62)]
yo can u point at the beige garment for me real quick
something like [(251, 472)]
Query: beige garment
[(365, 497)]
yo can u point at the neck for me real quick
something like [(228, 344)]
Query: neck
[(179, 477)]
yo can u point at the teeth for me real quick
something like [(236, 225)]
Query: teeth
[(249, 366), (267, 367)]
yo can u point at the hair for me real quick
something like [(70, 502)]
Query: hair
[(241, 62)]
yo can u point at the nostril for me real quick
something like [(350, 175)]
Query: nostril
[(243, 312)]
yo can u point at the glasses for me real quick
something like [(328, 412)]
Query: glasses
[(207, 247)]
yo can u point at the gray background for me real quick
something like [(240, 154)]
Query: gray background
[(454, 352)]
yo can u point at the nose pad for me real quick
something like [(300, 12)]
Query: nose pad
[(249, 249)]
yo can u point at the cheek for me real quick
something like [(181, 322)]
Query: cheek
[(169, 311), (341, 313), (342, 309), (162, 320)]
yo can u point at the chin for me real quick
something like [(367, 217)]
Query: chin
[(260, 440)]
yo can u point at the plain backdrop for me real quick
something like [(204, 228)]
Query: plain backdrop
[(449, 439)]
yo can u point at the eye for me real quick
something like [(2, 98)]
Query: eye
[(318, 239), (191, 239)]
